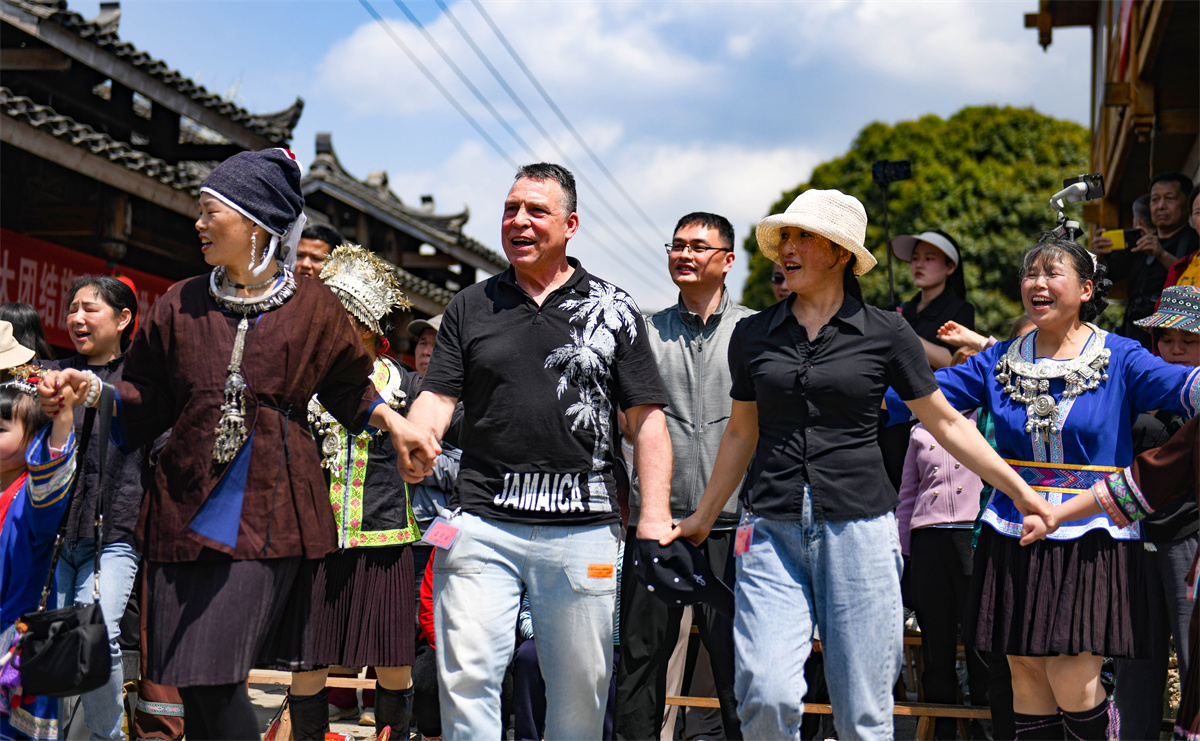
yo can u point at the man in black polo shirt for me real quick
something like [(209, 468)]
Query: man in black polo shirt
[(541, 357)]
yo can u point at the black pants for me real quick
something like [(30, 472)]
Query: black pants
[(941, 564), (649, 631), (1141, 682), (218, 712)]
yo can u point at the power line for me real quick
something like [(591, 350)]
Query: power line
[(561, 116), (441, 88), (462, 76), (465, 114), (516, 99)]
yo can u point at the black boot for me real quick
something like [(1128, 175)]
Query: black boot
[(393, 708), (310, 716)]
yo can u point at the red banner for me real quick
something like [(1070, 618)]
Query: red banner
[(40, 274)]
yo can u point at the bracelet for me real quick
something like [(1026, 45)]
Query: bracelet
[(93, 394)]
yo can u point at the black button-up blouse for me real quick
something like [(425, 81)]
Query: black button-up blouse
[(818, 407)]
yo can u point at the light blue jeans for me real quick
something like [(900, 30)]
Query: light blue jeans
[(845, 577), (569, 573), (102, 708)]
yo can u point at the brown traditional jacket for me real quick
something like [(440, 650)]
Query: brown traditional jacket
[(175, 373)]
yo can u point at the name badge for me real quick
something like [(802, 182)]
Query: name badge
[(441, 534), (745, 533)]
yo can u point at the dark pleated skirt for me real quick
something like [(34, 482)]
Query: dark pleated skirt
[(1057, 597), (1187, 722), (211, 622), (364, 608)]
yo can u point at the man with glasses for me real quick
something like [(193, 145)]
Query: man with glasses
[(690, 342)]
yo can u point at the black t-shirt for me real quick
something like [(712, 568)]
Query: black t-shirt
[(538, 386), (818, 406), (945, 307)]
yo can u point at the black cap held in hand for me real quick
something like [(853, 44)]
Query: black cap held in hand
[(680, 574)]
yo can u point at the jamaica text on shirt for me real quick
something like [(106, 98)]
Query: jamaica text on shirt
[(541, 492)]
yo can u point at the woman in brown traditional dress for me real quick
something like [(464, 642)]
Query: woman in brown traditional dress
[(238, 514)]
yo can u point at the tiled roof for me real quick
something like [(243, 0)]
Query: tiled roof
[(276, 127), (326, 168), (414, 285), (185, 176)]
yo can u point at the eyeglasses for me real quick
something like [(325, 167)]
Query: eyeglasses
[(778, 279), (677, 248)]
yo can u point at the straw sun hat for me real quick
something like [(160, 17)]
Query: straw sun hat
[(12, 353), (838, 217)]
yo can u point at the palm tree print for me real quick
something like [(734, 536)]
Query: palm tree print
[(586, 363)]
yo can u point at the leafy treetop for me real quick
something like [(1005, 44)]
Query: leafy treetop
[(984, 176)]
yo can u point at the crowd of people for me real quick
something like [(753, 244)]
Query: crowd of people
[(529, 522)]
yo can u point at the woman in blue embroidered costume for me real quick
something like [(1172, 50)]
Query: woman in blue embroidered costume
[(364, 593), (37, 466), (238, 514), (1063, 398)]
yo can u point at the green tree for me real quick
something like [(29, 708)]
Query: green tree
[(984, 176)]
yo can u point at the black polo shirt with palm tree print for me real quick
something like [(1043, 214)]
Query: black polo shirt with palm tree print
[(540, 386)]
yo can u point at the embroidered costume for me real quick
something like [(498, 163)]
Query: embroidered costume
[(35, 504), (1062, 425)]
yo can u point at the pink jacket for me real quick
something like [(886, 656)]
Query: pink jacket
[(935, 489)]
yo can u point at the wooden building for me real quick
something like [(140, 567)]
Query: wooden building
[(1145, 112), (102, 152), (434, 258)]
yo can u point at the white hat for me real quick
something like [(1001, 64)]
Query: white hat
[(838, 217), (12, 353), (903, 246), (418, 327)]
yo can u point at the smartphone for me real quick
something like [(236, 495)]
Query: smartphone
[(1122, 239)]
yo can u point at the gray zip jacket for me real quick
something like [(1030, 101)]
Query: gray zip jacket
[(693, 360)]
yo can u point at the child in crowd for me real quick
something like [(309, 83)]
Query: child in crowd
[(37, 464), (939, 501)]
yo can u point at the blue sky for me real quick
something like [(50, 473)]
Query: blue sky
[(715, 106)]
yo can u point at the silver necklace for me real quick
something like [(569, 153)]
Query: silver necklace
[(1028, 382), (231, 428), (275, 297)]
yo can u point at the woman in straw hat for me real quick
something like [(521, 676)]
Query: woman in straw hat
[(819, 542), (238, 514), (364, 594), (1063, 398)]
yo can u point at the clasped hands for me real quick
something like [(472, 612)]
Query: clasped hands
[(53, 384)]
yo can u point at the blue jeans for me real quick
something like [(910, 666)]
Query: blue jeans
[(569, 573), (845, 577), (102, 707)]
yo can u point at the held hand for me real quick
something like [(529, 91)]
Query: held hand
[(1033, 529), (53, 384), (653, 529), (693, 528), (416, 450), (1101, 245)]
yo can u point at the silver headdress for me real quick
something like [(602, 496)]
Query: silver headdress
[(366, 284)]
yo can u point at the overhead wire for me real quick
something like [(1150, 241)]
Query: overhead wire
[(561, 116), (516, 99), (465, 114), (462, 76)]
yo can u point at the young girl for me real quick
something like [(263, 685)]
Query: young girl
[(37, 463)]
